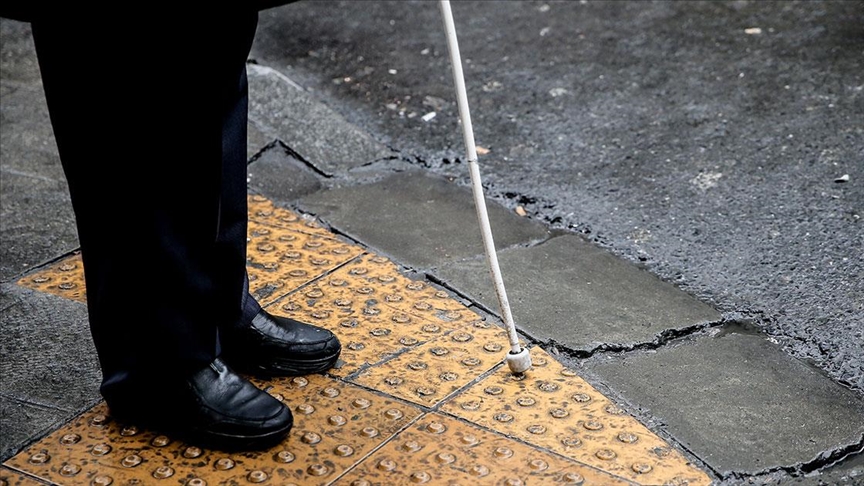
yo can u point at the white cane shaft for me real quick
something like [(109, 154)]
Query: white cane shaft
[(474, 169)]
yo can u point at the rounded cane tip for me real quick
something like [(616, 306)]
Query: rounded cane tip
[(519, 362)]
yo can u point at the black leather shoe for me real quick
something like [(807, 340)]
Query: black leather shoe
[(278, 346), (214, 408)]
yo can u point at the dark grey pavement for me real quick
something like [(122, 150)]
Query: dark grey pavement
[(701, 139), (658, 214)]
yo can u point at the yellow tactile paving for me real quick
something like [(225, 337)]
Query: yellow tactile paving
[(441, 450), (368, 310), (279, 261), (8, 477), (409, 349), (64, 278), (429, 373), (262, 210), (335, 426), (551, 407)]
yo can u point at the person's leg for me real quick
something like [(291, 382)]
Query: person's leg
[(141, 127)]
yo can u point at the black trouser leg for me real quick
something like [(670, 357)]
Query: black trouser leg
[(149, 113)]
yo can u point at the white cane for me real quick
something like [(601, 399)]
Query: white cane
[(518, 359)]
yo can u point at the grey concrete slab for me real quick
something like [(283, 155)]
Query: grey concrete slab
[(571, 292), (46, 354), (36, 218), (256, 140), (281, 177), (737, 401), (420, 220), (23, 422), (18, 63), (280, 109)]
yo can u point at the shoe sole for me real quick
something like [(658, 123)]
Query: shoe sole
[(276, 367)]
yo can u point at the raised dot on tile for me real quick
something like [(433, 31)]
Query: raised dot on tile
[(471, 405), (430, 328), (417, 365), (408, 341), (436, 427), (256, 476), (386, 465), (310, 438), (479, 470), (349, 323), (70, 439), (605, 454), (393, 380), (468, 439), (503, 417), (70, 470), (420, 477), (572, 478), (304, 408), (445, 458), (547, 386), (100, 449), (330, 392), (513, 482), (129, 431), (492, 347), (471, 361), (448, 376), (425, 391), (559, 413), (361, 403), (641, 468), (191, 452), (369, 432), (160, 441), (317, 469), (581, 397), (525, 401), (571, 442), (337, 420), (613, 409), (536, 429), (537, 465), (343, 450), (103, 480), (393, 414), (196, 482), (360, 482), (503, 452), (285, 457), (224, 464), (163, 472), (627, 437), (131, 460), (592, 425), (98, 420), (410, 446), (493, 390)]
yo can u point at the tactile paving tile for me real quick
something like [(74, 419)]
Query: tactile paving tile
[(551, 407), (8, 477), (262, 210), (335, 426), (441, 450), (429, 373), (350, 303), (279, 260), (64, 278)]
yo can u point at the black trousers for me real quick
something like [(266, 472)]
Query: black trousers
[(149, 111)]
